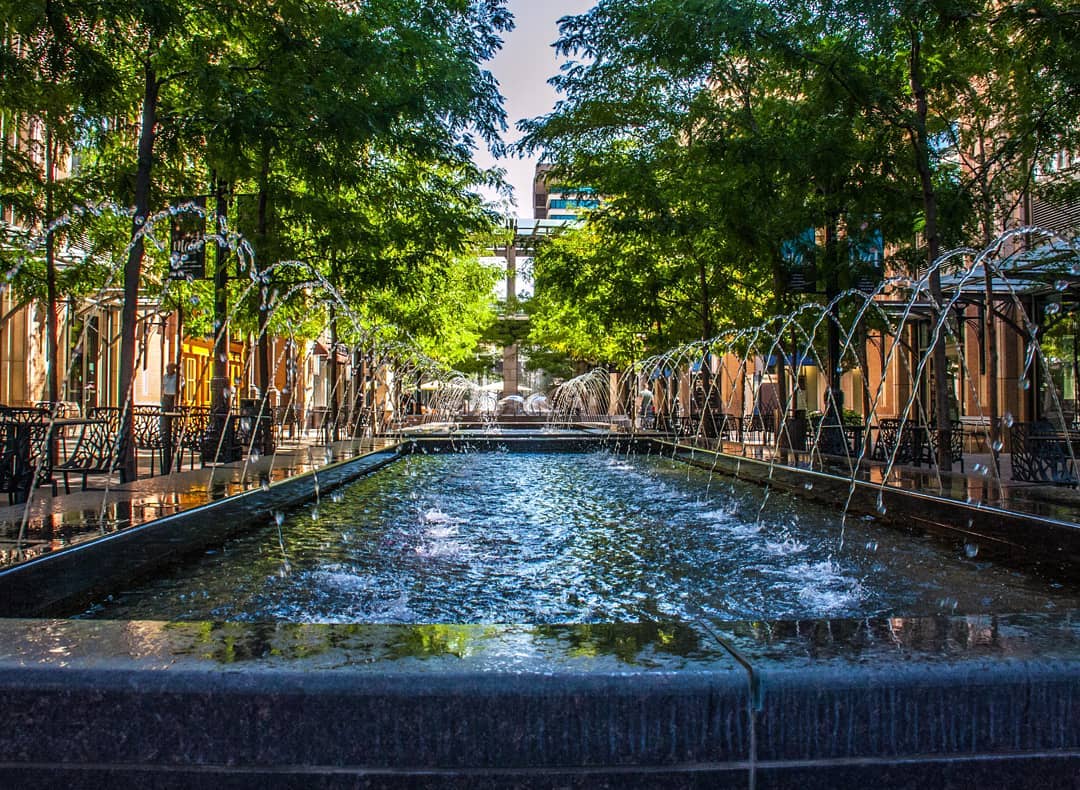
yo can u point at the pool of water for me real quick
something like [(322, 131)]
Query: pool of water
[(495, 537)]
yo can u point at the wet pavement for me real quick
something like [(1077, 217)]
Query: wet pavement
[(48, 522), (975, 484)]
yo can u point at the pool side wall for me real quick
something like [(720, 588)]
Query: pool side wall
[(68, 580), (1047, 545)]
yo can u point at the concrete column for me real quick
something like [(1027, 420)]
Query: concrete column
[(510, 370)]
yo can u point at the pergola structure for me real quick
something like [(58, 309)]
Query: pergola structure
[(1044, 281), (518, 252)]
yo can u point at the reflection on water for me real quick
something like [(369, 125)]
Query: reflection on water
[(588, 538), (603, 647)]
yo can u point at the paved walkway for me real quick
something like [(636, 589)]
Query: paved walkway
[(48, 523), (976, 483)]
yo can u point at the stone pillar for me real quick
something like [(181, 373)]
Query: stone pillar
[(510, 370)]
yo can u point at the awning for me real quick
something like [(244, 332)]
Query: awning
[(318, 349)]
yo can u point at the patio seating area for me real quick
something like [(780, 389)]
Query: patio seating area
[(45, 444)]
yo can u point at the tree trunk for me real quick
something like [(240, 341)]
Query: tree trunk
[(179, 350), (834, 402), (263, 339), (133, 270), (52, 343), (784, 418), (714, 398), (219, 385), (335, 408), (921, 144), (993, 404), (990, 325)]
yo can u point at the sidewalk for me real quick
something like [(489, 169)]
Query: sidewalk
[(976, 484), (48, 523)]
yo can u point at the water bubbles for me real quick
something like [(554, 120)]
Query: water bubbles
[(254, 456), (881, 509), (336, 496), (971, 550), (329, 456), (194, 300), (1008, 420), (981, 469), (223, 357), (264, 483), (279, 517), (871, 545), (1061, 285), (1052, 309), (948, 604), (314, 514), (808, 486), (998, 446), (1024, 384)]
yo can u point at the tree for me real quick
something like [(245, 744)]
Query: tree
[(713, 145), (55, 71)]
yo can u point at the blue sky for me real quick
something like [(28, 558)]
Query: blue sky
[(522, 68)]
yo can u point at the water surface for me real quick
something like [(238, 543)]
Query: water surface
[(572, 538)]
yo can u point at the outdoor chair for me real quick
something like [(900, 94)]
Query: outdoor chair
[(97, 451), (109, 414), (956, 442), (1042, 453), (287, 415), (29, 447), (902, 442), (147, 430), (16, 471), (193, 428)]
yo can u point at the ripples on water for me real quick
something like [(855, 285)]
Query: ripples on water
[(551, 538)]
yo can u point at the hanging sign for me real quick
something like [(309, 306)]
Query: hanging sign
[(187, 240), (798, 257), (867, 254)]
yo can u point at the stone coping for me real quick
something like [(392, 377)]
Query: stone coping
[(711, 704)]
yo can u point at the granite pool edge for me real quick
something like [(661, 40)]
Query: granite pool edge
[(829, 709)]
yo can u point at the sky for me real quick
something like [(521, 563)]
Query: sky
[(523, 66)]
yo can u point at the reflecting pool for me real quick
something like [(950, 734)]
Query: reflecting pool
[(496, 537)]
